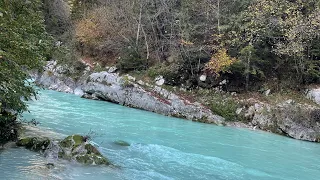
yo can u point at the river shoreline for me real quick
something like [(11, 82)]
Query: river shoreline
[(127, 91)]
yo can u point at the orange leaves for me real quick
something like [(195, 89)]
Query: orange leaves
[(88, 31), (219, 62)]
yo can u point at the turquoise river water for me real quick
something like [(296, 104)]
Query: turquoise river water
[(161, 147)]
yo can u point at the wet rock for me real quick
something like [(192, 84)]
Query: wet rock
[(72, 148), (50, 165), (34, 143), (76, 148)]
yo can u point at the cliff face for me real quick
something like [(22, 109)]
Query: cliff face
[(288, 118)]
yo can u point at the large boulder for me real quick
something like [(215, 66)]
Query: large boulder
[(288, 118), (73, 148), (77, 148)]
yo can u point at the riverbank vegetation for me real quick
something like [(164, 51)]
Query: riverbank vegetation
[(237, 46), (249, 43), (24, 45)]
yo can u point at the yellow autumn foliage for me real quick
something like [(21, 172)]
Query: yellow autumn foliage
[(88, 31), (219, 62)]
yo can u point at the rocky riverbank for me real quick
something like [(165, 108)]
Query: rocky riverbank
[(299, 121)]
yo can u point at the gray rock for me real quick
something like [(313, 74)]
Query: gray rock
[(314, 94), (140, 82), (78, 91), (267, 92), (250, 112), (159, 80), (239, 110), (112, 69), (289, 120), (224, 82), (73, 148), (203, 78)]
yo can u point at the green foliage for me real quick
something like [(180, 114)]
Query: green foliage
[(24, 45), (285, 32), (79, 8), (278, 39), (131, 60), (225, 108), (8, 128), (222, 104), (126, 83)]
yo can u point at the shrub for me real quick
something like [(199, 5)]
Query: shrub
[(226, 108), (131, 60), (8, 128)]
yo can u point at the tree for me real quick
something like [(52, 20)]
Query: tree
[(24, 45), (290, 28)]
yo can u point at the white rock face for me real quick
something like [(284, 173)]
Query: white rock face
[(203, 78), (159, 80), (314, 94)]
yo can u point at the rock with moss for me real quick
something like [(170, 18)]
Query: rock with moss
[(34, 143), (76, 148), (72, 148)]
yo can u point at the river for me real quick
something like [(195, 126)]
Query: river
[(161, 147)]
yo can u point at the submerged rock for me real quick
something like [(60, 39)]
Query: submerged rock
[(121, 143)]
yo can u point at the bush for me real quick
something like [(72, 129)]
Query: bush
[(8, 128), (131, 60), (221, 104), (226, 108)]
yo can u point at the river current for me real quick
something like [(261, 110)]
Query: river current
[(161, 147)]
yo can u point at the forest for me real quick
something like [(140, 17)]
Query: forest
[(249, 43)]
